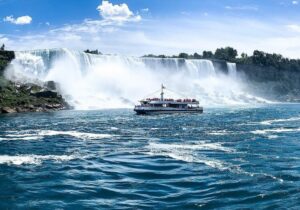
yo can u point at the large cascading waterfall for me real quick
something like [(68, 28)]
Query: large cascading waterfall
[(112, 81)]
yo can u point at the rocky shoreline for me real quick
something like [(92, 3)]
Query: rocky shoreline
[(18, 97)]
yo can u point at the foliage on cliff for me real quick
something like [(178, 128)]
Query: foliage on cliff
[(5, 58), (16, 97), (28, 98), (227, 53), (95, 52), (258, 58)]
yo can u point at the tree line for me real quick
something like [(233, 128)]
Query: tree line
[(230, 54), (96, 52)]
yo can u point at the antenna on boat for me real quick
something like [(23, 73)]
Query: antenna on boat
[(162, 92)]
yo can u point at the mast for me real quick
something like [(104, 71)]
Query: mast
[(162, 92)]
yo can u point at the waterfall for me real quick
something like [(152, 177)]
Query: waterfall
[(231, 69), (112, 81)]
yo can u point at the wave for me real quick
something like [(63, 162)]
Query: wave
[(273, 136), (39, 134), (28, 138), (276, 130), (33, 159), (185, 153), (79, 135), (200, 145), (269, 122), (188, 153), (219, 133)]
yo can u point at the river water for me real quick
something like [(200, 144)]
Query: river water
[(226, 158)]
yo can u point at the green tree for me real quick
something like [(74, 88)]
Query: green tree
[(207, 54), (258, 58), (227, 53), (183, 55), (197, 56)]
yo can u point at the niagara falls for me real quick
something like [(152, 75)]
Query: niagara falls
[(121, 104), (115, 81)]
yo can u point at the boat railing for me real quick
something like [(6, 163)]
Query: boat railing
[(171, 100)]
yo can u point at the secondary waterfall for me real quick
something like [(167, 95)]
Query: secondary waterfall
[(231, 69), (113, 81)]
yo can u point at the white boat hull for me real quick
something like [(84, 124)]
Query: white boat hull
[(152, 110)]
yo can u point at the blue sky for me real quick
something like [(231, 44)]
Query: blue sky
[(138, 27)]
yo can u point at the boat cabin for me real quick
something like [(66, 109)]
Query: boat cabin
[(167, 105), (179, 104)]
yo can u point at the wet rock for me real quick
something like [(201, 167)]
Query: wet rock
[(21, 109), (7, 110), (30, 107), (53, 106), (39, 109)]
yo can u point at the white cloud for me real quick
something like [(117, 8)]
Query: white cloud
[(294, 27), (145, 10), (119, 13), (249, 8), (23, 20), (166, 36), (185, 13), (295, 2)]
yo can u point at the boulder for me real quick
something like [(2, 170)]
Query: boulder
[(8, 110), (54, 106), (21, 109), (30, 107)]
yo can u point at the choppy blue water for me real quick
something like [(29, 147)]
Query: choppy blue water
[(224, 159)]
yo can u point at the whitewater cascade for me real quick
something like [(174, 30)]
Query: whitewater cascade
[(90, 81), (232, 69)]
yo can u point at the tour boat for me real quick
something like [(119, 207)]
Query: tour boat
[(167, 105)]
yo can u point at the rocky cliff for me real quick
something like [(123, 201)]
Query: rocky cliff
[(271, 82), (5, 58), (18, 97)]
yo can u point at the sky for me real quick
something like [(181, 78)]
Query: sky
[(138, 27)]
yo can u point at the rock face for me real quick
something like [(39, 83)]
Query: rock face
[(46, 94), (8, 110), (5, 58), (272, 83), (29, 98), (221, 65), (17, 97)]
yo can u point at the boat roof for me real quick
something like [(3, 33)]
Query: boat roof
[(169, 102), (163, 100)]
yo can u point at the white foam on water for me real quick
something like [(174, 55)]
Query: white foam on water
[(276, 130), (12, 137), (219, 133), (201, 145), (80, 135), (269, 122), (273, 136), (33, 159), (188, 153), (39, 134), (192, 159)]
